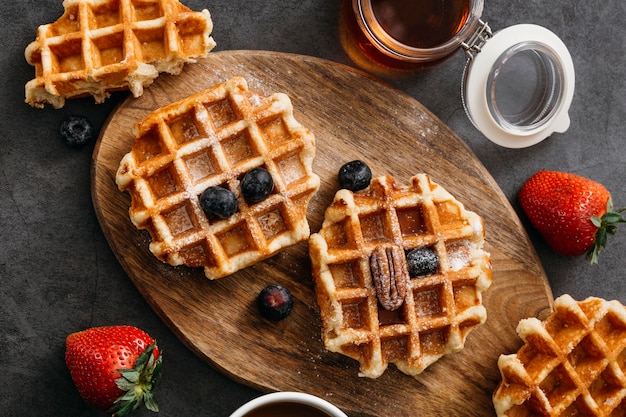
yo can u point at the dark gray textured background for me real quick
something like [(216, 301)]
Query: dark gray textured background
[(58, 275)]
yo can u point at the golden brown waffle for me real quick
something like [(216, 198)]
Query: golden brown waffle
[(572, 364), (213, 138), (438, 310), (98, 46)]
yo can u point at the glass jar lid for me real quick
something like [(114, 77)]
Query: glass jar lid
[(518, 86)]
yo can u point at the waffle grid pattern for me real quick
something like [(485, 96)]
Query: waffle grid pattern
[(212, 139), (102, 45), (573, 364), (438, 311)]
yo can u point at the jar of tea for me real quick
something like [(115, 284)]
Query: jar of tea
[(518, 83), (408, 34)]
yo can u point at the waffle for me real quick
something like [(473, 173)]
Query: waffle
[(212, 138), (98, 46), (572, 364), (438, 310)]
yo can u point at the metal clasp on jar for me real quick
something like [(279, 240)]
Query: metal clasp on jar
[(475, 42)]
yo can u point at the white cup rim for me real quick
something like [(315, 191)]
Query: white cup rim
[(287, 396)]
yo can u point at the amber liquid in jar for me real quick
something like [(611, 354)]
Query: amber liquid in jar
[(401, 28)]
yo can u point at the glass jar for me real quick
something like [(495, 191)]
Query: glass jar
[(518, 83), (408, 34)]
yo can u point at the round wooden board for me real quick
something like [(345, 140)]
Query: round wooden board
[(353, 117)]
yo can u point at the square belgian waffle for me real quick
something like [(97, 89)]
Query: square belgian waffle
[(438, 310), (572, 364), (213, 138), (98, 46)]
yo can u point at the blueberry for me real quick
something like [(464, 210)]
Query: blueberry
[(354, 175), (257, 185), (422, 262), (76, 131), (275, 302), (218, 201)]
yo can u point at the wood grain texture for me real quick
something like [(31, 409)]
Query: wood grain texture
[(353, 117)]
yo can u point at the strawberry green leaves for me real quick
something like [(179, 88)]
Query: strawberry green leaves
[(607, 225)]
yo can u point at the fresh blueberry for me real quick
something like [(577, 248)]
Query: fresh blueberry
[(354, 175), (422, 262), (257, 185), (218, 201), (275, 302), (76, 131)]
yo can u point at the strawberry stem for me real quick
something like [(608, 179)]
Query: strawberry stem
[(607, 225), (137, 384)]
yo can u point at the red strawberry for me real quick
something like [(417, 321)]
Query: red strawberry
[(574, 214), (114, 368)]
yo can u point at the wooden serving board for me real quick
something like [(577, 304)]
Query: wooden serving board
[(353, 117)]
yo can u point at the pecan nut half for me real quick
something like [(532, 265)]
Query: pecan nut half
[(390, 275)]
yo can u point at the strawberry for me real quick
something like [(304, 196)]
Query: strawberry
[(114, 367), (574, 214)]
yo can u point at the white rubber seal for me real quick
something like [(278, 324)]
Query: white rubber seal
[(548, 112)]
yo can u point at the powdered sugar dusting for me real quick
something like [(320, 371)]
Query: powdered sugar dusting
[(458, 255)]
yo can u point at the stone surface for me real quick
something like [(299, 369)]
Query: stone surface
[(58, 275)]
